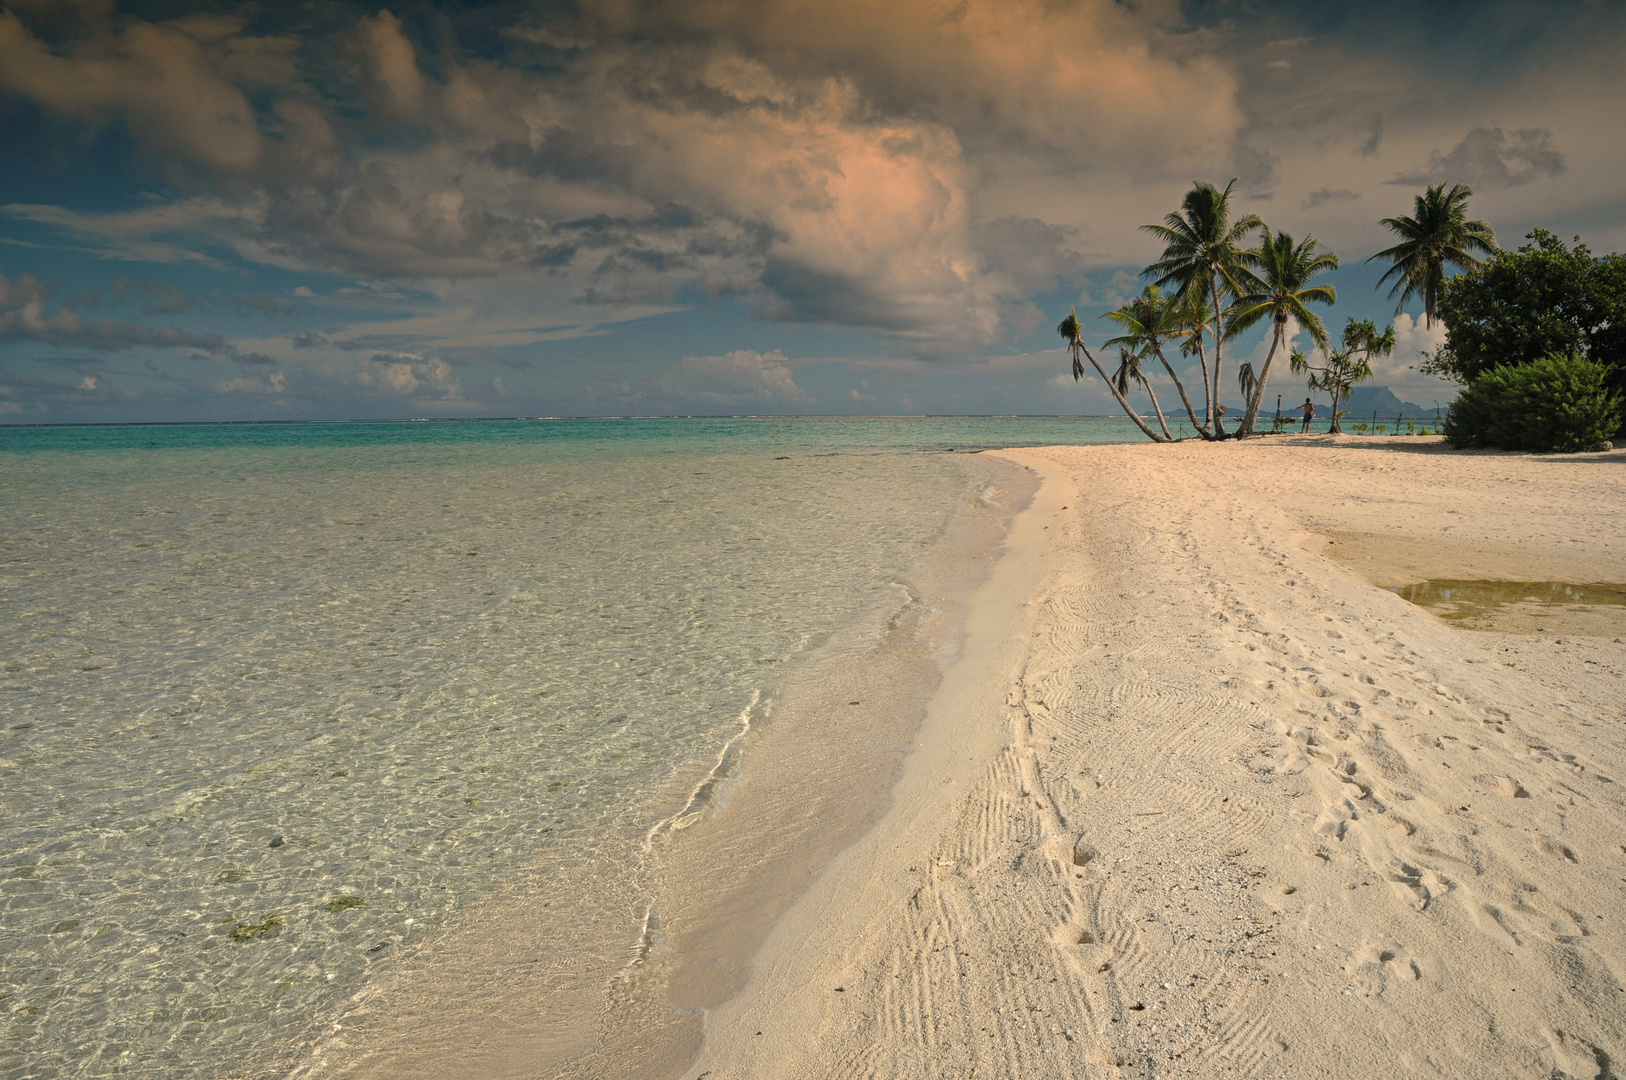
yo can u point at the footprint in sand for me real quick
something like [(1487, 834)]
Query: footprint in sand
[(1577, 1057), (1375, 965), (1510, 787), (1548, 846)]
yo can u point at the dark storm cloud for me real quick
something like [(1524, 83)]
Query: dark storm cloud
[(1492, 158), (1036, 254)]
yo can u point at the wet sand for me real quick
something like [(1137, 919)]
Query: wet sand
[(1202, 797)]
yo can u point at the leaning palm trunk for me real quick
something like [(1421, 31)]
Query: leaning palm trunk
[(1252, 415), (1208, 387), (1214, 395), (1202, 429), (1162, 423), (1078, 346)]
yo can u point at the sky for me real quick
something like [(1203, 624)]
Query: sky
[(330, 210)]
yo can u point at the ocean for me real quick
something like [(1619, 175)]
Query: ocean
[(290, 709)]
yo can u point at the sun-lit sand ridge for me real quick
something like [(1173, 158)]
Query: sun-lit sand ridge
[(1198, 799)]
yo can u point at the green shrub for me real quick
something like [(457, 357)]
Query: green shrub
[(1558, 403)]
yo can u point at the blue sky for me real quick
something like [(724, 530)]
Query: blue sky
[(222, 211)]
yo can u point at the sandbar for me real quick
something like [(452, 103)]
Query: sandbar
[(1201, 797)]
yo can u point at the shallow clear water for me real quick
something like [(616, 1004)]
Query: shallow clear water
[(278, 700), (1480, 601)]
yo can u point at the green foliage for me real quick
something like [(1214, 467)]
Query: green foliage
[(1559, 403), (1282, 286), (1072, 331), (1542, 299), (1202, 247)]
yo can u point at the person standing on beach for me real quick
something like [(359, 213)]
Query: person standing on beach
[(1309, 414)]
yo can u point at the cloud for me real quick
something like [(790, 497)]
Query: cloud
[(610, 159), (1322, 196), (1489, 158), (1088, 78), (743, 377), (1278, 364), (154, 77), (1035, 253), (406, 373), (390, 67), (810, 166), (1120, 287), (1412, 339), (25, 316), (1370, 147), (274, 383)]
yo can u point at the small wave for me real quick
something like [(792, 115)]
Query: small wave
[(700, 799)]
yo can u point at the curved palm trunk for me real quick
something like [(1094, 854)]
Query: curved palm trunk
[(1202, 429), (1162, 423), (1214, 407), (1336, 428), (1208, 389), (1252, 414), (1079, 346)]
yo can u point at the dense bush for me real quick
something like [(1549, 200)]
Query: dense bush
[(1543, 298), (1558, 403)]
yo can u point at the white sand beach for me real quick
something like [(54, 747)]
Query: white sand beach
[(1199, 797)]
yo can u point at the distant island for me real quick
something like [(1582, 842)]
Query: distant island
[(1365, 400)]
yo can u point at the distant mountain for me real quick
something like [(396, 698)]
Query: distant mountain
[(1366, 400)]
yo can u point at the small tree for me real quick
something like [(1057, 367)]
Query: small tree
[(1348, 366)]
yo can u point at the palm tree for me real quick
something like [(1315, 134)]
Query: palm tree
[(1440, 233), (1072, 331), (1129, 372), (1285, 271), (1149, 320), (1203, 255), (1196, 317)]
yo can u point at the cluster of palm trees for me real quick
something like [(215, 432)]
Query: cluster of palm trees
[(1210, 286)]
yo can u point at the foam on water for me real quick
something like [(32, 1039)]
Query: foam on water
[(252, 672)]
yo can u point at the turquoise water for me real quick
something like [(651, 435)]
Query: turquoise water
[(278, 701)]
